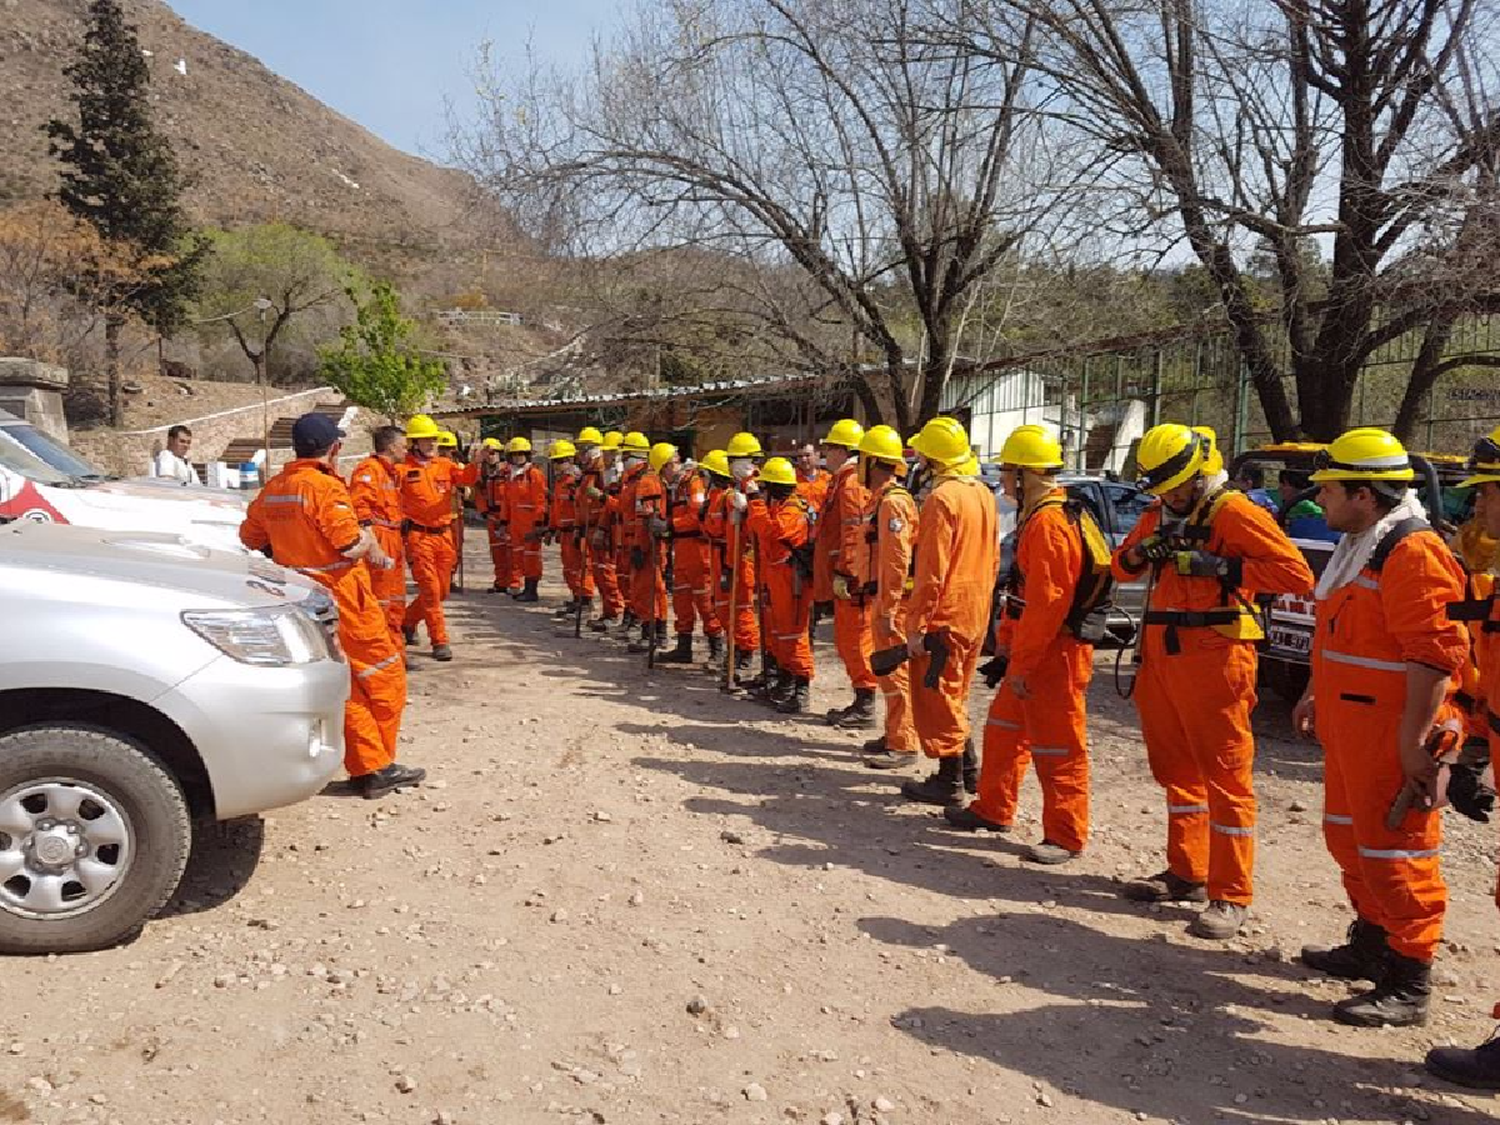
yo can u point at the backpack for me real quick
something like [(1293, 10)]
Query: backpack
[(1087, 617)]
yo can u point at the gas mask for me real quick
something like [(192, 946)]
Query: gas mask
[(743, 468)]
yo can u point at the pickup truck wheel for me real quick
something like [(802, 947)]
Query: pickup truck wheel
[(94, 836)]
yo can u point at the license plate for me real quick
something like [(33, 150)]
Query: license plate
[(1290, 640)]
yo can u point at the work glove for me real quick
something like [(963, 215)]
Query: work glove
[(1154, 548), (993, 670), (738, 502), (660, 528), (1201, 564), (841, 588), (600, 540)]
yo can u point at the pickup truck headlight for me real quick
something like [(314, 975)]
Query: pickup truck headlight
[(272, 637)]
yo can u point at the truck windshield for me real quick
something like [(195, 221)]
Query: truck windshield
[(18, 459), (49, 451)]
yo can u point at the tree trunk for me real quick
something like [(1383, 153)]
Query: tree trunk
[(114, 323), (934, 377), (1424, 373)]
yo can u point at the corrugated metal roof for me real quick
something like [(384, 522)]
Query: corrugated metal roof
[(655, 394)]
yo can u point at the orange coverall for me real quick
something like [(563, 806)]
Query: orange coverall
[(1049, 726), (645, 498), (622, 521), (489, 498), (1367, 632), (882, 569), (375, 493), (427, 503), (723, 572), (814, 489), (566, 491), (1195, 704), (958, 555), (593, 520), (839, 535), (305, 516), (1486, 655), (692, 597), (778, 527), (526, 507)]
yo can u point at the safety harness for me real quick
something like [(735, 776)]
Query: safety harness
[(872, 541), (1087, 616)]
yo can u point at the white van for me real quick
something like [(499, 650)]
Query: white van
[(44, 481)]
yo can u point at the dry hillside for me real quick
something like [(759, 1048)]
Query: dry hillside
[(257, 146)]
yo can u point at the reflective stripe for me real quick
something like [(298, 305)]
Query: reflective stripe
[(373, 668), (323, 569), (378, 522), (790, 636), (896, 694), (1002, 724), (1365, 583), (1050, 751), (293, 498), (1186, 810), (1396, 853), (1332, 818), (1230, 830), (1363, 661)]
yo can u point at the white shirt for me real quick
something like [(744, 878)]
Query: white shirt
[(173, 467)]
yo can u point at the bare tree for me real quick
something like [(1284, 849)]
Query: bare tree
[(820, 135), (1364, 126)]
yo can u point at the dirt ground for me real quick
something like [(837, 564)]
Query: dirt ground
[(627, 898)]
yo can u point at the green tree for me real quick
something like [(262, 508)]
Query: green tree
[(377, 364), (119, 174)]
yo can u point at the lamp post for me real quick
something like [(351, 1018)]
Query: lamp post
[(262, 306)]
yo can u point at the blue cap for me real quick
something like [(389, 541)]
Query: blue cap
[(313, 434)]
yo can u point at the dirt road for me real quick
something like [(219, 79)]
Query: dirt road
[(629, 899)]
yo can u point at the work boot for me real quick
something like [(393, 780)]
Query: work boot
[(628, 625), (762, 682), (409, 635), (884, 759), (1219, 920), (1164, 887), (643, 642), (716, 649), (602, 624), (945, 786), (971, 767), (1048, 854), (795, 702), (442, 653), (776, 683), (965, 819), (1478, 1069), (496, 588), (567, 609), (859, 715), (528, 593), (682, 654), (1399, 1000), (394, 777), (1362, 957)]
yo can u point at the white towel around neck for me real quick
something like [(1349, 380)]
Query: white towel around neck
[(1353, 551)]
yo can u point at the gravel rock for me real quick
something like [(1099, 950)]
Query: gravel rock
[(755, 1092)]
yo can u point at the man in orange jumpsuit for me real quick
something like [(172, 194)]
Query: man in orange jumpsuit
[(427, 485), (635, 448), (692, 593), (1384, 652), (526, 508), (838, 539), (813, 481), (646, 528), (375, 491), (957, 557), (489, 498), (591, 500), (305, 519), (882, 572), (780, 520), (1039, 714), (1479, 1068), (563, 527), (732, 563), (1211, 550)]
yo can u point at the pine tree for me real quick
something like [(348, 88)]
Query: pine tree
[(120, 175)]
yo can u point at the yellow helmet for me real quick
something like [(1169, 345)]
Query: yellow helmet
[(743, 445), (561, 450), (716, 461), (518, 445), (636, 442), (883, 444), (590, 436), (778, 470), (1031, 447), (494, 443), (661, 453), (1213, 460), (611, 442), (845, 432), (447, 439), (1363, 454), (420, 426), (1170, 455), (1484, 463), (944, 441)]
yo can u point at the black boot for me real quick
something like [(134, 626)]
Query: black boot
[(394, 777), (1399, 1000), (773, 690), (795, 702), (716, 649), (762, 682), (567, 609), (628, 625), (944, 787), (643, 642), (529, 594), (971, 767), (1478, 1069), (682, 654), (859, 715), (1362, 957), (409, 635), (602, 624)]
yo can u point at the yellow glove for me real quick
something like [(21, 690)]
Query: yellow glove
[(841, 587)]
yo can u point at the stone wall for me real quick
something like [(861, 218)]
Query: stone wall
[(34, 391)]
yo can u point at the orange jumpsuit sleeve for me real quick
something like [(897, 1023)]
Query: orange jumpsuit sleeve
[(463, 475), (934, 551), (897, 537), (253, 532), (849, 512), (715, 519), (365, 491), (1419, 580), (332, 513), (792, 527), (1050, 556), (1271, 562)]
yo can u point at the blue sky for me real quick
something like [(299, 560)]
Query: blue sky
[(388, 64)]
